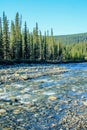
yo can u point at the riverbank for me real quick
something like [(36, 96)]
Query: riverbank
[(13, 62)]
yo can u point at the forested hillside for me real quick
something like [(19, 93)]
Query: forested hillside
[(17, 43), (73, 38)]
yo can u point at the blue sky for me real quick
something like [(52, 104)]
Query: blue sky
[(64, 16)]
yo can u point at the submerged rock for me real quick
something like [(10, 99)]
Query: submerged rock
[(1, 90), (29, 72), (23, 77), (2, 111), (16, 75), (16, 111), (52, 98), (85, 103), (6, 128), (53, 125)]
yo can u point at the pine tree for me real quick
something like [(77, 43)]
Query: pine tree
[(36, 43), (25, 42), (41, 46), (48, 47), (31, 47), (28, 44), (45, 47), (20, 36), (6, 46), (55, 58), (12, 41), (52, 45), (60, 51), (1, 41), (18, 51)]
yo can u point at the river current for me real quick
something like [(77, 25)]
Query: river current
[(46, 102)]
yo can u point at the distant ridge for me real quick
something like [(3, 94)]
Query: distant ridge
[(72, 38)]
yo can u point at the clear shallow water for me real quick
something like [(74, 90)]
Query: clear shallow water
[(44, 102)]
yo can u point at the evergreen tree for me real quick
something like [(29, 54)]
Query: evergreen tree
[(41, 46), (28, 44), (36, 43), (45, 47), (55, 58), (1, 41), (25, 42), (21, 44), (31, 47), (60, 51), (12, 41), (52, 45), (18, 53), (6, 49)]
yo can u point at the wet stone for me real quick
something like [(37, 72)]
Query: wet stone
[(2, 111), (1, 90), (52, 98), (6, 128), (16, 111), (85, 103), (56, 107)]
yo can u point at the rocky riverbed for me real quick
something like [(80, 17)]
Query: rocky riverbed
[(22, 72), (43, 97)]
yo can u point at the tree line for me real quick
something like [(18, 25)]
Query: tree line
[(72, 38), (18, 43), (75, 52)]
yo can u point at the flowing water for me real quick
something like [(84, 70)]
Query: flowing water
[(54, 101)]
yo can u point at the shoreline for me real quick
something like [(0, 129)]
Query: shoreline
[(13, 62)]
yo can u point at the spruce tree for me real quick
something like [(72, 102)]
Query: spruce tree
[(18, 53), (13, 41), (60, 51), (45, 47), (41, 46), (6, 49), (52, 45), (28, 44), (31, 47), (25, 42), (36, 43), (1, 41)]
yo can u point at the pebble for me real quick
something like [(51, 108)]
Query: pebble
[(53, 125), (52, 98), (85, 103), (16, 111), (56, 107), (16, 75), (6, 128), (2, 111), (1, 90)]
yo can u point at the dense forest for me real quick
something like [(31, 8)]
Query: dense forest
[(72, 38), (17, 43)]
